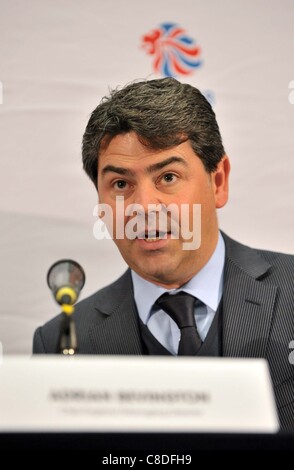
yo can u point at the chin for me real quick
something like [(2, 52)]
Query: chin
[(158, 276)]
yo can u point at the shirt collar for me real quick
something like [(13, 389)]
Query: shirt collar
[(206, 285)]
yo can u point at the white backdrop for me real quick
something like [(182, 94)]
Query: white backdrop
[(58, 58)]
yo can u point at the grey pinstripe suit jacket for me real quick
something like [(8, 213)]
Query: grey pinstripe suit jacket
[(258, 318)]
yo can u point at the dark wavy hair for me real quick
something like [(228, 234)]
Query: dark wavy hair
[(163, 113)]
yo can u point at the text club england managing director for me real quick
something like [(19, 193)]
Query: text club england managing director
[(158, 143)]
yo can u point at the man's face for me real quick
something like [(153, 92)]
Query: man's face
[(143, 176)]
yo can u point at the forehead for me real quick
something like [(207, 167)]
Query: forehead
[(123, 144), (127, 148)]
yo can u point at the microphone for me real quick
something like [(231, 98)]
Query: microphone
[(66, 278)]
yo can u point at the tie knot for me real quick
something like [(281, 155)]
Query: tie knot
[(180, 307)]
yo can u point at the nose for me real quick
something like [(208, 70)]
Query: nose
[(146, 195)]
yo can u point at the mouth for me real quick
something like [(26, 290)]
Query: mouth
[(154, 236)]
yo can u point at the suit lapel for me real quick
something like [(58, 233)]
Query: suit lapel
[(118, 332), (248, 303)]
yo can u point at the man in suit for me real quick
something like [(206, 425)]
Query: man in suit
[(157, 144)]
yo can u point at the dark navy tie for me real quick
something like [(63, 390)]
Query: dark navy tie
[(180, 307)]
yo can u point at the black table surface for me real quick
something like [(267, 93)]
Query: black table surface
[(142, 442)]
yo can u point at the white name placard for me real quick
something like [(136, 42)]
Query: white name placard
[(144, 394)]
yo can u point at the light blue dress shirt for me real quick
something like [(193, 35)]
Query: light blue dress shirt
[(206, 286)]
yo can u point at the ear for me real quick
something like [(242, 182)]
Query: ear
[(220, 180)]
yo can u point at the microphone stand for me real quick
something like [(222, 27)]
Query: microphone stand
[(67, 342)]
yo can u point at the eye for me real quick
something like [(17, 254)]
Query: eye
[(120, 184), (169, 178)]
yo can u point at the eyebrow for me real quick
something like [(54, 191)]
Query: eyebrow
[(150, 169), (116, 169), (168, 161)]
